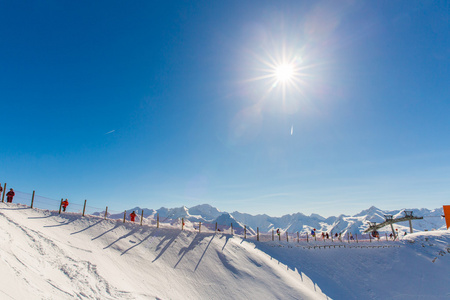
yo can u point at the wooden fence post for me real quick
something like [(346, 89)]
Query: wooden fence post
[(307, 239), (32, 200), (370, 237), (142, 216), (4, 191), (287, 236), (273, 236), (157, 220), (348, 237), (356, 235), (106, 212), (199, 227), (60, 205), (84, 207), (245, 232), (124, 215), (216, 228), (231, 229), (298, 237), (257, 234)]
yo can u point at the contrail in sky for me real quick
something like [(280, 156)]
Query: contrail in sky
[(292, 129), (110, 131)]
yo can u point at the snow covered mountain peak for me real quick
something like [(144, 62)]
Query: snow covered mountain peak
[(206, 213)]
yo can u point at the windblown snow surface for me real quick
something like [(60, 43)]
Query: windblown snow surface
[(44, 255)]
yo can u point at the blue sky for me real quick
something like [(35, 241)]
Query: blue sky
[(171, 103)]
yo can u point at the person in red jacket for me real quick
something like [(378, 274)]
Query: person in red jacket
[(1, 189), (64, 204), (10, 195), (132, 216)]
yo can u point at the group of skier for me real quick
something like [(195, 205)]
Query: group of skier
[(325, 235), (9, 195), (64, 203)]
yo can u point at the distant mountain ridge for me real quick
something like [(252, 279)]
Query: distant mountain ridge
[(206, 213)]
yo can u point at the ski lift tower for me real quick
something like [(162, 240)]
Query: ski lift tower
[(409, 216), (390, 220)]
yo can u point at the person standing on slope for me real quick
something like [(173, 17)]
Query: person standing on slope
[(64, 204), (132, 216), (1, 189), (10, 195)]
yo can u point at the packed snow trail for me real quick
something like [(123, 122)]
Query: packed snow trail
[(44, 255)]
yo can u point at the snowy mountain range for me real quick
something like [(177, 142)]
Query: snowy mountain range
[(298, 222)]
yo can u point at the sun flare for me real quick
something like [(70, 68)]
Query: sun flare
[(284, 72)]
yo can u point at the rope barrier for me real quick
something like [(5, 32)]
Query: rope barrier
[(207, 227)]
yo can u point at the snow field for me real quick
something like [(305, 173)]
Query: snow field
[(44, 255), (49, 256), (396, 270)]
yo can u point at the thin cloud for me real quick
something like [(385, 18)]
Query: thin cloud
[(109, 132)]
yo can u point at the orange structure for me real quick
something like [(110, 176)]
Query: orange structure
[(447, 215)]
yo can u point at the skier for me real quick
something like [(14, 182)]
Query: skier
[(313, 233), (64, 204), (132, 216), (278, 231), (327, 235), (1, 189), (10, 196)]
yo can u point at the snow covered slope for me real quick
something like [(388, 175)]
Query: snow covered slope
[(417, 267), (44, 255)]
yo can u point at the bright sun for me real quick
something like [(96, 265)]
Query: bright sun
[(284, 72)]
